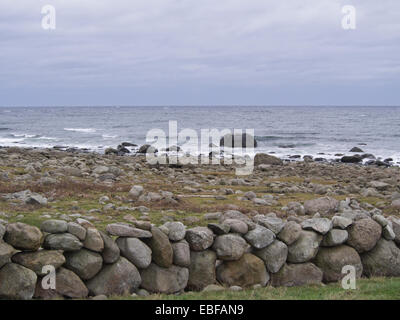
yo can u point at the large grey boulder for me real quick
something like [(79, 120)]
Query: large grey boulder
[(292, 275), (236, 226), (249, 270), (260, 237), (335, 237), (68, 284), (85, 263), (320, 225), (6, 252), (263, 158), (62, 241), (177, 230), (341, 222), (199, 238), (364, 234), (274, 255), (202, 269), (181, 252), (118, 278), (77, 230), (93, 240), (271, 223), (305, 248), (164, 280), (123, 230), (234, 214), (332, 260), (38, 259), (135, 251), (111, 251), (383, 260), (22, 236), (324, 206), (17, 282), (229, 247), (161, 248), (54, 226), (290, 232)]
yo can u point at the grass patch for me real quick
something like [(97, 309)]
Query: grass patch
[(367, 289)]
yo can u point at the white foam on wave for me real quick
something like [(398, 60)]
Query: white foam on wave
[(84, 130), (108, 136)]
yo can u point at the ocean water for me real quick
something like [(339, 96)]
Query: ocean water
[(284, 131)]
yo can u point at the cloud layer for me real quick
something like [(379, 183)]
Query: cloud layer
[(153, 52)]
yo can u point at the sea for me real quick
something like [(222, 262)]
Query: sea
[(323, 131)]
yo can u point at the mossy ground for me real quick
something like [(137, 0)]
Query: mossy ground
[(367, 289)]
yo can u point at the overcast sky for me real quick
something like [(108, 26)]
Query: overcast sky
[(197, 52)]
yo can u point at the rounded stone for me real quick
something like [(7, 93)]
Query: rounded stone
[(54, 226), (199, 238), (135, 251), (364, 234), (24, 237), (85, 263), (305, 248), (332, 260)]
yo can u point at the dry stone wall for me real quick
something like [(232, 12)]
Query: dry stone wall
[(237, 251)]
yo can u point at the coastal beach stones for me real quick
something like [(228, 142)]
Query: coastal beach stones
[(305, 248), (263, 158), (364, 234), (22, 236), (199, 238), (332, 260)]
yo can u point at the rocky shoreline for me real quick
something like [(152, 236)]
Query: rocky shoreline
[(355, 155), (287, 222)]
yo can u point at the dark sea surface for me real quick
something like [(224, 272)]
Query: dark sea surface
[(283, 130)]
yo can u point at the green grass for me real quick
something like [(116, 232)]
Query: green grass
[(367, 289)]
